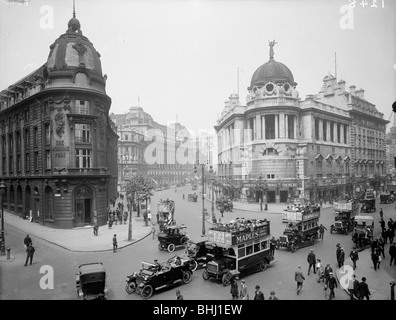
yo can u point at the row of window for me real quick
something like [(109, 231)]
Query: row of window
[(334, 134), (252, 247)]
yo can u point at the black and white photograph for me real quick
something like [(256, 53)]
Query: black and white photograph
[(198, 150)]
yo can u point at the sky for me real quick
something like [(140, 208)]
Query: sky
[(182, 59)]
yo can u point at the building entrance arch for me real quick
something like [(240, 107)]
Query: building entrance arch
[(83, 197)]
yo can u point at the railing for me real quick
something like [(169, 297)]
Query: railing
[(88, 171)]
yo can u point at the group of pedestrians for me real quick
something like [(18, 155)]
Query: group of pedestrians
[(243, 293), (28, 244)]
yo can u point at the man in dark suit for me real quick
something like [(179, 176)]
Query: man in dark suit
[(29, 253), (363, 291), (353, 287), (311, 261), (258, 295), (27, 241)]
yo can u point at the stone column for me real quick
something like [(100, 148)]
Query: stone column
[(282, 125), (276, 126), (262, 127), (342, 133), (254, 131), (258, 127), (321, 129)]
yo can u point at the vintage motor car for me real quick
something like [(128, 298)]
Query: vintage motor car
[(345, 212), (386, 198), (368, 206), (363, 229), (153, 277), (192, 197), (91, 282), (171, 237), (199, 251)]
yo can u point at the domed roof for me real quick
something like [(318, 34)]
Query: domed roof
[(72, 50), (272, 70)]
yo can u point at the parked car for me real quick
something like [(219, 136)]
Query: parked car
[(91, 282), (152, 277)]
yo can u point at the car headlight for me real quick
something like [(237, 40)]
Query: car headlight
[(81, 294), (145, 278)]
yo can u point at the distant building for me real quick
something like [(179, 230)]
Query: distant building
[(391, 156), (278, 147), (58, 154), (153, 150)]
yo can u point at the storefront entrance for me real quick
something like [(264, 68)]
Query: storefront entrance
[(83, 205), (283, 196), (271, 197)]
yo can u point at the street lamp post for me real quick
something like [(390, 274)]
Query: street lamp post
[(2, 243), (203, 194), (129, 197)]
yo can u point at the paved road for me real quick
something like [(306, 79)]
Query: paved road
[(19, 282)]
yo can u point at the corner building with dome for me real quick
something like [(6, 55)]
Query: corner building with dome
[(278, 147), (58, 154)]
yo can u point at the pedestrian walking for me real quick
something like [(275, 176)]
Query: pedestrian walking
[(381, 247), (27, 241), (299, 278), (272, 246), (234, 289), (125, 216), (338, 250), (319, 270), (331, 283), (392, 253), (382, 223), (390, 234), (311, 261), (363, 290), (183, 196), (341, 258), (322, 229), (384, 235), (258, 295), (379, 258), (354, 255), (115, 245), (381, 213), (353, 287), (179, 295), (374, 258), (374, 245), (29, 253), (273, 296), (95, 228), (244, 294), (328, 269), (153, 229)]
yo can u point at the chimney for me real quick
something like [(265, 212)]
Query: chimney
[(341, 85), (352, 89), (360, 93)]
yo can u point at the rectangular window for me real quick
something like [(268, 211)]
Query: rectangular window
[(241, 250), (345, 134), (47, 134), (27, 118), (10, 164), (82, 107), (18, 141), (83, 133), (35, 136), (332, 131), (19, 163), (270, 126), (27, 139), (324, 130), (83, 158), (290, 127), (27, 162), (36, 161), (316, 129), (47, 159)]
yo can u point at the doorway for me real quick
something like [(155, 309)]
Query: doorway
[(83, 204), (283, 196), (271, 197)]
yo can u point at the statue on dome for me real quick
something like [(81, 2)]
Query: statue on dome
[(271, 44)]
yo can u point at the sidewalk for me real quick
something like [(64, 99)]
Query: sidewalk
[(80, 239), (377, 281)]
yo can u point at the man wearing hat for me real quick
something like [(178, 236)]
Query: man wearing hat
[(331, 283), (338, 250), (273, 296), (311, 261), (299, 278), (353, 287), (115, 245), (27, 241), (341, 258), (327, 271), (244, 295), (158, 265)]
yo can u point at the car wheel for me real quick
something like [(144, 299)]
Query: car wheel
[(293, 248), (263, 265), (147, 291), (193, 265), (171, 247), (205, 275), (183, 240), (313, 239), (160, 246), (186, 276), (225, 280), (130, 287)]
